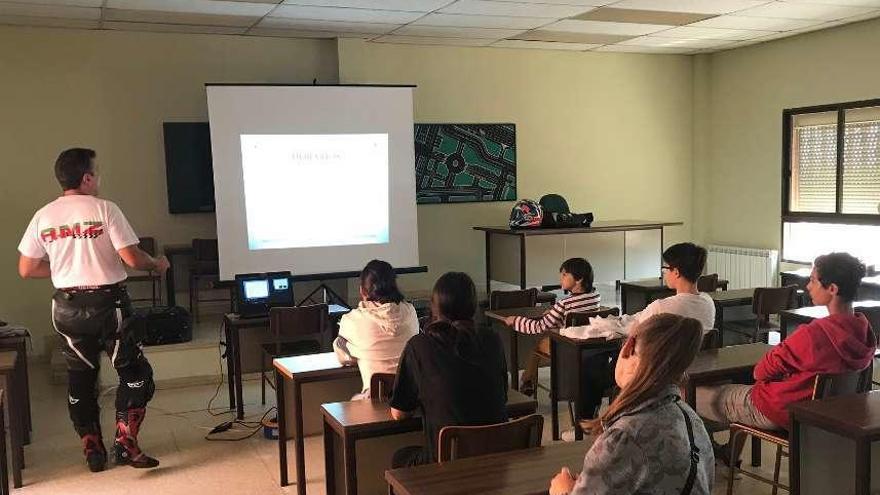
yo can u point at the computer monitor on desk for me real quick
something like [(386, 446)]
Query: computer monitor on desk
[(257, 292)]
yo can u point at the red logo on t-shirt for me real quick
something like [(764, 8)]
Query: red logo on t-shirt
[(79, 230)]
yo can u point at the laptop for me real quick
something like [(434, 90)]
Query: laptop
[(257, 292)]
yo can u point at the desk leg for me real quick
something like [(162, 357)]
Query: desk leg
[(236, 352), (578, 397), (169, 282), (554, 390), (783, 327), (756, 451), (794, 457), (863, 467), (230, 363), (514, 359), (522, 262), (299, 441), (4, 468), (329, 458), (282, 426), (15, 426), (623, 306), (350, 465), (488, 263), (719, 324)]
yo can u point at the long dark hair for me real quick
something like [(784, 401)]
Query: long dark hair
[(453, 305), (379, 282)]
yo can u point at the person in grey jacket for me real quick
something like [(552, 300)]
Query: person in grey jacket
[(650, 442)]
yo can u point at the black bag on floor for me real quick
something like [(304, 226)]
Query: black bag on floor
[(161, 325)]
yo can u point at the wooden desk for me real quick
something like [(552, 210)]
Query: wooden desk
[(171, 251), (520, 472), (572, 350), (729, 299), (831, 445), (361, 419), (232, 326), (20, 344), (650, 289), (871, 309), (11, 379), (299, 370), (622, 226), (4, 465), (513, 359)]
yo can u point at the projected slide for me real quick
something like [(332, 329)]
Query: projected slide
[(313, 190)]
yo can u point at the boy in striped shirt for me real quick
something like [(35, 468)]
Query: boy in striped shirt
[(576, 278)]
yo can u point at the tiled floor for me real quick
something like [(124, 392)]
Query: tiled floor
[(174, 431)]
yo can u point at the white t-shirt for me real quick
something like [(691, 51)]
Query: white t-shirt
[(700, 307), (81, 235)]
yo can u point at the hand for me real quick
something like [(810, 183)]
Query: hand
[(562, 483), (510, 321), (162, 264)]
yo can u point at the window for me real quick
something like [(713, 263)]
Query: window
[(831, 181)]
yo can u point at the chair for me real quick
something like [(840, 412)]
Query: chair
[(148, 245), (708, 283), (381, 386), (768, 301), (826, 386), (294, 331), (504, 299), (710, 340), (459, 442), (206, 264)]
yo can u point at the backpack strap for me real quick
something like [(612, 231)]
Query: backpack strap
[(694, 453)]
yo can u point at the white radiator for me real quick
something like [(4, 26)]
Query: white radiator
[(744, 267)]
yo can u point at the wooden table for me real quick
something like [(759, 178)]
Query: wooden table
[(171, 251), (729, 299), (513, 359), (361, 419), (4, 467), (622, 226), (11, 378), (20, 344), (736, 362), (232, 326), (831, 444), (649, 289), (871, 309), (573, 350), (520, 472), (300, 370)]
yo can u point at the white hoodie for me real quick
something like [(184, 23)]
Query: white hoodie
[(373, 336)]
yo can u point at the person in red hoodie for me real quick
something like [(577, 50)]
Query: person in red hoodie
[(841, 342)]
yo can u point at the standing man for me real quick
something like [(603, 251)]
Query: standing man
[(80, 241)]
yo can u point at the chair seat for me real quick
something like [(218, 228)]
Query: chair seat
[(143, 278), (286, 349), (779, 437)]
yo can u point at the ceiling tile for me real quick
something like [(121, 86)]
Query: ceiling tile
[(694, 6), (704, 33), (75, 3), (485, 21), (172, 28), (298, 33), (674, 43), (485, 7), (217, 7), (404, 5), (759, 23), (56, 11), (16, 20), (813, 11), (418, 40), (565, 37), (455, 32), (545, 45), (345, 14), (645, 49), (851, 3), (622, 28), (178, 18), (611, 14), (330, 26)]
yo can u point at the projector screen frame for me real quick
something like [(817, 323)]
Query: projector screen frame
[(327, 275)]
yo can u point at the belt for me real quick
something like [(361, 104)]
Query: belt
[(91, 288)]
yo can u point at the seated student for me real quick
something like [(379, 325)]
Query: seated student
[(843, 341), (453, 371), (373, 334), (650, 441), (682, 265), (576, 278)]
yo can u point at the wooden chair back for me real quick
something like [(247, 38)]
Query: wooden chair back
[(458, 442)]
